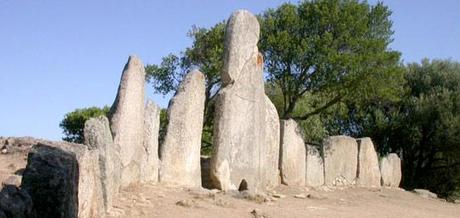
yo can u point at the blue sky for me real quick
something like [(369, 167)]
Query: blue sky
[(56, 56)]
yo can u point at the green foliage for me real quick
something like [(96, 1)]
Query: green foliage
[(332, 50), (317, 53), (163, 125), (205, 54), (422, 126), (74, 122), (313, 129), (431, 126)]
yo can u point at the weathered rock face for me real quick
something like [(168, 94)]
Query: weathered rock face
[(390, 169), (127, 120), (314, 167), (293, 154), (368, 164), (272, 146), (15, 202), (151, 163), (340, 160), (241, 37), (240, 126), (180, 152), (63, 180), (98, 137)]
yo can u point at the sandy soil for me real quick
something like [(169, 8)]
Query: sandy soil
[(157, 201)]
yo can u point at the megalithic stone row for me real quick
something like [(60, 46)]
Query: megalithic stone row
[(368, 164), (63, 180), (239, 159), (390, 169), (340, 161), (98, 137), (180, 152), (292, 154), (151, 163), (127, 120), (314, 167)]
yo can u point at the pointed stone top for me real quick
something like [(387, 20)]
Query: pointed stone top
[(195, 73), (241, 37), (243, 14), (193, 78), (134, 60)]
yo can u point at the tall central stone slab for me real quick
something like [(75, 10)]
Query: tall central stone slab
[(127, 120), (180, 152), (239, 159)]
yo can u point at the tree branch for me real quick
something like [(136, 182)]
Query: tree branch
[(320, 109)]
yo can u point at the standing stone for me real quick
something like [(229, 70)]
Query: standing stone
[(368, 164), (98, 137), (340, 161), (127, 120), (390, 169), (240, 125), (63, 180), (180, 152), (293, 154), (272, 145), (151, 163), (314, 173)]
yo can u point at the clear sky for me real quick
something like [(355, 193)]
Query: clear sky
[(58, 55)]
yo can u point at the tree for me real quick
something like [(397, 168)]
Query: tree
[(74, 122), (333, 50), (423, 126), (431, 127), (317, 54)]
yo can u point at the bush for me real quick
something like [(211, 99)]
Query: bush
[(74, 122)]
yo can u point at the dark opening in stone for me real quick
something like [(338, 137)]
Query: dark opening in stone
[(243, 185)]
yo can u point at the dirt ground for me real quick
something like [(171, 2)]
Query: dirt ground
[(158, 201)]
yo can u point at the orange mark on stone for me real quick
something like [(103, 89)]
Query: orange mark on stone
[(260, 60)]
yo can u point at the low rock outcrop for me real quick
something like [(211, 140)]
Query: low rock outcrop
[(425, 193), (9, 145)]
